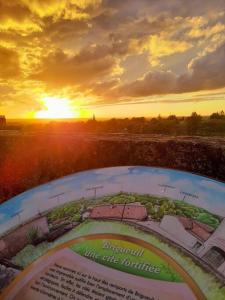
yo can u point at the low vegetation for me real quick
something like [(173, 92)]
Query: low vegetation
[(32, 234), (195, 124), (70, 211), (157, 207)]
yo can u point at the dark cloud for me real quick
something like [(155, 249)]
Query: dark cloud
[(9, 63), (171, 8), (206, 73), (13, 10), (64, 30), (152, 83), (87, 66), (102, 88), (96, 64)]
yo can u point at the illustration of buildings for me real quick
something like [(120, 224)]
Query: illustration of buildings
[(179, 229), (213, 249), (133, 211), (201, 239), (188, 231)]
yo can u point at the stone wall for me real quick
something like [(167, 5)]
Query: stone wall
[(29, 160), (205, 156)]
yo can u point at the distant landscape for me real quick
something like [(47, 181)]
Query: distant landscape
[(195, 124)]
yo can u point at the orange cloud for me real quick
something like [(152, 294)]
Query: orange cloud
[(15, 17), (10, 66), (83, 68)]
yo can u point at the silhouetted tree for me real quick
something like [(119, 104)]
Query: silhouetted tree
[(193, 123), (217, 115), (172, 118)]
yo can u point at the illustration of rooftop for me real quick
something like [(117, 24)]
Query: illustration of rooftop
[(198, 229), (134, 211)]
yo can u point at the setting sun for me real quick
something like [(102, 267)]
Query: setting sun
[(57, 108)]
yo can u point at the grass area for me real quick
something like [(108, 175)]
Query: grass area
[(30, 253)]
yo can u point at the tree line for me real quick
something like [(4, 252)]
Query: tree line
[(195, 124)]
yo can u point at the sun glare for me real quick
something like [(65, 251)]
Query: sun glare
[(57, 108)]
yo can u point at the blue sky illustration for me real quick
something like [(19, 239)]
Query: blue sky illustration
[(194, 189)]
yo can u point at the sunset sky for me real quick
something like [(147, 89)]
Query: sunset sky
[(112, 58)]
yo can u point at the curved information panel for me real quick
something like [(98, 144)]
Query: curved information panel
[(135, 233)]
